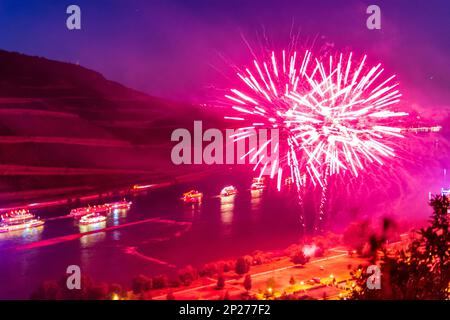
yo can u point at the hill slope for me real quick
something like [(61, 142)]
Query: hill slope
[(64, 127)]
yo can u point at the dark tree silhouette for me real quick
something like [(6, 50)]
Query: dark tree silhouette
[(299, 257), (355, 235), (248, 282), (422, 271), (160, 282), (242, 266), (141, 284), (48, 290), (187, 275), (58, 290), (220, 282)]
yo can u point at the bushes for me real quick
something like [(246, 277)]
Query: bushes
[(48, 290), (209, 270), (292, 249), (298, 257), (220, 282), (187, 275), (421, 271), (259, 257), (320, 251), (248, 282), (98, 292), (174, 283), (115, 290), (141, 284), (242, 266), (356, 235), (295, 252), (226, 266), (160, 282), (57, 290)]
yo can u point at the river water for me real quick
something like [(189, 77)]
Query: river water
[(169, 234)]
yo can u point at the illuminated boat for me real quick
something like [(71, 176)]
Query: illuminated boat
[(141, 187), (258, 184), (192, 196), (79, 212), (19, 220), (92, 218), (228, 191), (102, 208), (121, 205)]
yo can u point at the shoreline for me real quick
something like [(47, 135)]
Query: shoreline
[(104, 194)]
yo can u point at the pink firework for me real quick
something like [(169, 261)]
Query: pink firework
[(336, 116), (265, 101)]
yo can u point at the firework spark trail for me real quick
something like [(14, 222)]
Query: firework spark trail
[(336, 115), (342, 123), (265, 101)]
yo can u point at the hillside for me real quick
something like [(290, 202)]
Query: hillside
[(65, 128)]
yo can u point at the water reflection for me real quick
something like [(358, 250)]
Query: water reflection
[(227, 226), (191, 210), (118, 214), (255, 201), (91, 239), (28, 234), (227, 209)]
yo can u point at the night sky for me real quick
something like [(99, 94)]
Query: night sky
[(177, 49)]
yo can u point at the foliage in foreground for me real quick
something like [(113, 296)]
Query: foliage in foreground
[(422, 271)]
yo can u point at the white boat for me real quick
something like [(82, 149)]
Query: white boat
[(19, 220), (101, 208), (228, 191), (92, 218), (258, 184), (192, 196)]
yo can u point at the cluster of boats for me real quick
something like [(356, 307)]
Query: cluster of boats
[(23, 219), (194, 196), (97, 213), (19, 220)]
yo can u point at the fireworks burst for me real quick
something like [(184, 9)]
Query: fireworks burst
[(335, 117)]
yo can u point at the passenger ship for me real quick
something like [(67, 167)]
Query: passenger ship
[(192, 196), (228, 191), (102, 208), (92, 218), (258, 184), (19, 220)]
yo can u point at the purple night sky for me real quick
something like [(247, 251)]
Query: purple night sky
[(172, 48)]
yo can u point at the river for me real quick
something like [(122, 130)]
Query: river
[(168, 234)]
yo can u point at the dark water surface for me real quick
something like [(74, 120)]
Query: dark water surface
[(173, 235)]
